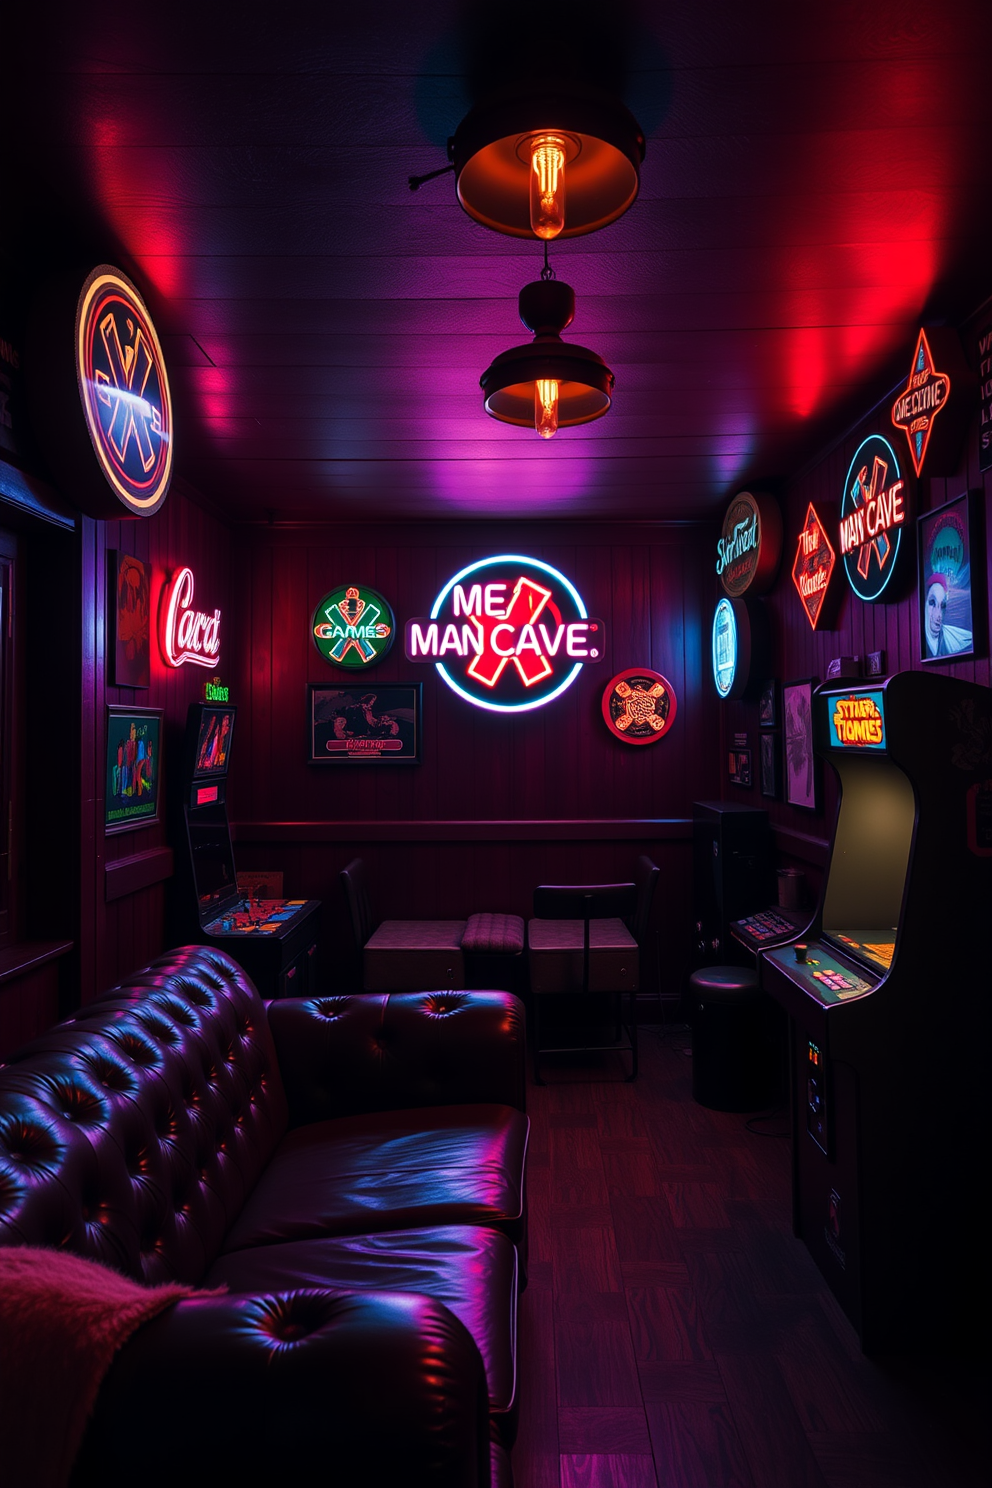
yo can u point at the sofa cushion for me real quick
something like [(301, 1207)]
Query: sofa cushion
[(411, 955), (493, 935), (390, 1170), (470, 1269), (555, 956)]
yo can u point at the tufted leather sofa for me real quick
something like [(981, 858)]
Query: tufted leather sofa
[(349, 1168)]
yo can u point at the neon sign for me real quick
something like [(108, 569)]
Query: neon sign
[(353, 627), (187, 634), (857, 721), (216, 692), (873, 514), (917, 406), (724, 647), (639, 706), (814, 566), (507, 634), (124, 390), (750, 545)]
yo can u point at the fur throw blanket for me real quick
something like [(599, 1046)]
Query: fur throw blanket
[(62, 1319)]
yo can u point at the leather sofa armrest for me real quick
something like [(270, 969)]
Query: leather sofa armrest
[(343, 1056), (362, 1390)]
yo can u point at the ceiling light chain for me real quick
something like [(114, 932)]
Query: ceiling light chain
[(547, 272)]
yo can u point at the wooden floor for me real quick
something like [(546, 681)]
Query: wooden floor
[(674, 1334)]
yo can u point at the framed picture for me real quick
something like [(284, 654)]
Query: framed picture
[(771, 784), (374, 723), (949, 617), (768, 706), (128, 611), (802, 775), (133, 773), (740, 767)]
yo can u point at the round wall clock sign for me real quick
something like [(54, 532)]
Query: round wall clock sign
[(639, 706), (124, 389), (353, 627), (749, 549)]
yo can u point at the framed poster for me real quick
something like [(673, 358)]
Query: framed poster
[(128, 610), (377, 725), (801, 766), (771, 784), (948, 616), (739, 766), (768, 705), (133, 772)]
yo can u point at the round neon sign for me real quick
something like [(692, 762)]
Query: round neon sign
[(724, 647), (873, 513), (124, 390), (507, 634), (639, 706), (353, 627)]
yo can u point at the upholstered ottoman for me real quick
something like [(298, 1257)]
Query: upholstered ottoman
[(493, 948)]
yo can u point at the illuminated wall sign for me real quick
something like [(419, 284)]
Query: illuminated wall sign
[(813, 568), (750, 545), (856, 722), (639, 706), (353, 627), (738, 646), (508, 634), (872, 516), (216, 692), (187, 635), (724, 647), (124, 390), (921, 400)]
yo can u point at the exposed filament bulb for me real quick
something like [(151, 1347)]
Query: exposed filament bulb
[(546, 406), (547, 185)]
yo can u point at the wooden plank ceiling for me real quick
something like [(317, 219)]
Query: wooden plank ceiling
[(816, 184)]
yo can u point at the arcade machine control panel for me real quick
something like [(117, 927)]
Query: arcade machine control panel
[(256, 917), (770, 927)]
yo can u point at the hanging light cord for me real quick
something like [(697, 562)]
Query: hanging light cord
[(547, 272), (415, 182)]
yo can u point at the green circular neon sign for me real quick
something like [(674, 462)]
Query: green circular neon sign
[(353, 627)]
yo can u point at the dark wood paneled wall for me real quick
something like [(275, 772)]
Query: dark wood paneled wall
[(530, 783), (122, 914), (857, 628)]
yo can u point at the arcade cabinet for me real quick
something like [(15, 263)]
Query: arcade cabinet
[(275, 940), (731, 874), (887, 994)]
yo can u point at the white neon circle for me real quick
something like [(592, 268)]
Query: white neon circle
[(508, 707), (724, 647)]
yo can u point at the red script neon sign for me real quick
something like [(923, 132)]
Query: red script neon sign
[(188, 634)]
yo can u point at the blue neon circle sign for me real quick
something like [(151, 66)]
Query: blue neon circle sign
[(507, 634), (724, 647), (873, 513)]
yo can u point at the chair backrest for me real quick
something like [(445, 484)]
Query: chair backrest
[(646, 876), (585, 901), (356, 892)]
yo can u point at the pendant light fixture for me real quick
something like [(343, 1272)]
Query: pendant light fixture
[(549, 384), (549, 162)]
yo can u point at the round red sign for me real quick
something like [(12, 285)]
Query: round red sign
[(639, 706), (750, 545)]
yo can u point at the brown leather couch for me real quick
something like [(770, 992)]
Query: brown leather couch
[(350, 1168)]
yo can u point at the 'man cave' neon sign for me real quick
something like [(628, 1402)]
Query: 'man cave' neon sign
[(187, 635), (508, 634), (872, 516)]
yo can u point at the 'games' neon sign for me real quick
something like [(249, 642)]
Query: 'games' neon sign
[(353, 627), (873, 514), (187, 635), (857, 721), (124, 390), (508, 634)]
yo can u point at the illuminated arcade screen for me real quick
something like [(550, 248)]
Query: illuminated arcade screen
[(874, 947), (212, 857), (856, 720), (214, 734)]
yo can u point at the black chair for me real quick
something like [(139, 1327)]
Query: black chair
[(401, 955), (578, 944)]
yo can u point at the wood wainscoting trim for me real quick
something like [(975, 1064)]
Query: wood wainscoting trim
[(25, 956), (595, 829), (128, 875)]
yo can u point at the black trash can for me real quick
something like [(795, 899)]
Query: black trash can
[(736, 1060)]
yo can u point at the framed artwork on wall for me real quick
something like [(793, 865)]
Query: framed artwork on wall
[(739, 766), (771, 785), (133, 772), (128, 613), (802, 775), (375, 724), (768, 705), (949, 616)]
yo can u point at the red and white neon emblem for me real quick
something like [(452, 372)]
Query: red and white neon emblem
[(187, 634), (508, 634), (917, 406)]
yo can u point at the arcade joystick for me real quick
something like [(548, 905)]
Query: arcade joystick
[(800, 950)]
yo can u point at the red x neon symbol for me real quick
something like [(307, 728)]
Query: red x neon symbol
[(862, 493), (526, 605), (130, 369)]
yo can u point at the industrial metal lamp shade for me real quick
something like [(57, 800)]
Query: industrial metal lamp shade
[(601, 147), (583, 382)]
